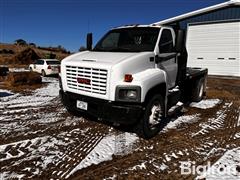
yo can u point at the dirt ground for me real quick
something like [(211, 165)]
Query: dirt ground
[(39, 139)]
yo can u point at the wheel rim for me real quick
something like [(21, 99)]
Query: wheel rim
[(155, 115), (43, 73)]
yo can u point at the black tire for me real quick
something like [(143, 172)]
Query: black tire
[(66, 103), (198, 90), (43, 73), (146, 128), (30, 69)]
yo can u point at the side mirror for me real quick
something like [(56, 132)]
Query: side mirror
[(89, 41), (180, 41)]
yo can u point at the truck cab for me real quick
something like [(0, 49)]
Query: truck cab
[(133, 75)]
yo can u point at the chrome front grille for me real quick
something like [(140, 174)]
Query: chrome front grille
[(97, 77)]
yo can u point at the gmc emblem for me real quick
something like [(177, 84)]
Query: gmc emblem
[(84, 81)]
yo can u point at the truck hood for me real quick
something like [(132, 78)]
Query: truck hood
[(107, 58)]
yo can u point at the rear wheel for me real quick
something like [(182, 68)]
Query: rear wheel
[(153, 119), (30, 69), (43, 73), (198, 91)]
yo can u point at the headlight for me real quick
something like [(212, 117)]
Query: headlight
[(128, 93)]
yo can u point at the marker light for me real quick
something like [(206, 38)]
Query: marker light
[(128, 78)]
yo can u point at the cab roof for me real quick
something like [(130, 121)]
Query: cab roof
[(138, 25)]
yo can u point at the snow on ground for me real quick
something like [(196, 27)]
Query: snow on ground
[(214, 123), (106, 148), (206, 104), (18, 69), (181, 120), (226, 168), (45, 148), (39, 97), (16, 108)]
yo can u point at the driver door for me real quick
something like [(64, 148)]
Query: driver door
[(166, 47)]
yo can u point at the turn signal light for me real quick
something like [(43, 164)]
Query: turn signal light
[(128, 78)]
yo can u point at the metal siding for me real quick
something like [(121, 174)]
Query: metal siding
[(213, 46), (228, 13)]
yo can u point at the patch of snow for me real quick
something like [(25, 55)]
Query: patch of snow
[(182, 119), (160, 167), (180, 153), (46, 148), (8, 175), (206, 104), (227, 167), (137, 167), (237, 136), (104, 151), (111, 177), (18, 70), (176, 89), (39, 97)]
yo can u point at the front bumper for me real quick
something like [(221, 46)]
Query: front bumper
[(118, 112)]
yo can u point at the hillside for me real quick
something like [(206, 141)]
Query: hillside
[(14, 55)]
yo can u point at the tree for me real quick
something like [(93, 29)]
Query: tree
[(82, 48), (32, 44), (20, 42)]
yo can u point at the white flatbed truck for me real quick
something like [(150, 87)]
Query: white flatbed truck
[(133, 75)]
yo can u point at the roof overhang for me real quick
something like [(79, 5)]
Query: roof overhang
[(200, 11)]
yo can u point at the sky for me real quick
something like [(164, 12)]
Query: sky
[(66, 22)]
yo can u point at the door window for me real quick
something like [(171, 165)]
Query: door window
[(166, 42)]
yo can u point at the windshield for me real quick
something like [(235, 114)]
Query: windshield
[(138, 39), (53, 62)]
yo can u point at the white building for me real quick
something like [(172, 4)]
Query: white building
[(213, 37)]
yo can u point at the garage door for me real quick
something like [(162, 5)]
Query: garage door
[(215, 46)]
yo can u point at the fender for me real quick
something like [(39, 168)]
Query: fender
[(148, 80)]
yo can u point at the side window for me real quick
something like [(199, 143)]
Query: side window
[(41, 62), (38, 62), (166, 42)]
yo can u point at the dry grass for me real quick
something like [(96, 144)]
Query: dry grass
[(23, 78), (19, 58)]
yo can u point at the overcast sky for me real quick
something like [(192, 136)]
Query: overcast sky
[(66, 22)]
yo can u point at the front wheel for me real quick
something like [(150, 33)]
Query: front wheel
[(153, 118)]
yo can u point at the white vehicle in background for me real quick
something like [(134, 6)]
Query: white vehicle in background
[(45, 66)]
